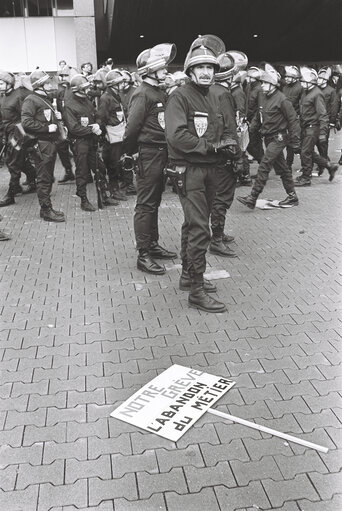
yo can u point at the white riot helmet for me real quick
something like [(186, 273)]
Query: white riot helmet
[(291, 75), (227, 67), (153, 59), (239, 77), (204, 50), (240, 60), (308, 77), (270, 79), (324, 74), (254, 73), (114, 78)]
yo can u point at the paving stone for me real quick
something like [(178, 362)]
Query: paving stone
[(331, 505), (34, 434), (199, 478), (29, 474), (148, 484), (58, 400), (317, 420), (155, 503), (299, 487), (327, 485), (54, 451), (50, 495), (205, 499), (308, 462), (58, 385), (35, 418), (55, 415), (124, 487), (75, 469), (20, 499), (212, 454), (135, 463), (264, 468), (253, 496), (8, 477)]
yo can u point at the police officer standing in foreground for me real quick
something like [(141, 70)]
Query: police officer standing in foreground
[(39, 118), (145, 133), (195, 134), (277, 122)]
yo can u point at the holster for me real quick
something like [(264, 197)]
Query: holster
[(177, 173)]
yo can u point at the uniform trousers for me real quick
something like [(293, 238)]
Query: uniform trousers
[(197, 201), (45, 159), (111, 155), (274, 158), (150, 182), (85, 160), (63, 153), (18, 162), (255, 148), (224, 196), (310, 137)]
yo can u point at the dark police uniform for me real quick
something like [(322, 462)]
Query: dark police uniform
[(110, 113), (194, 122), (240, 107), (277, 122), (225, 174), (63, 145), (78, 114), (255, 148), (293, 92), (17, 161), (314, 122), (36, 115), (145, 133), (332, 105)]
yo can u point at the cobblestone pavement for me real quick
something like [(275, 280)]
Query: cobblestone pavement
[(82, 329)]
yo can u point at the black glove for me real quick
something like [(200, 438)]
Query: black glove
[(239, 167), (338, 125), (296, 149), (218, 147)]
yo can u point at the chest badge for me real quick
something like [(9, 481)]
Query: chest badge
[(84, 121), (120, 115), (201, 123), (47, 113), (161, 119)]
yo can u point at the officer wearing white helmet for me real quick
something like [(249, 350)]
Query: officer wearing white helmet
[(279, 126), (112, 120), (226, 175), (40, 119), (332, 105), (314, 121), (145, 133), (198, 142), (253, 92), (79, 115), (293, 91), (17, 160)]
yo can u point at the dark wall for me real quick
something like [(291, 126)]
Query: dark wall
[(287, 30)]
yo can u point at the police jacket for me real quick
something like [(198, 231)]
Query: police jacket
[(110, 110), (313, 111), (277, 117), (78, 114), (36, 115), (193, 121), (331, 102), (126, 96), (62, 88), (226, 108), (239, 98), (146, 122), (293, 92), (253, 92), (11, 107)]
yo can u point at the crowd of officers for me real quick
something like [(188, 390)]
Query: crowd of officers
[(197, 128)]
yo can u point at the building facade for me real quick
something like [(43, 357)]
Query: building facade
[(41, 33)]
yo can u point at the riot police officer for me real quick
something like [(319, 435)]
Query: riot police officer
[(195, 134), (39, 118), (145, 133), (277, 122), (293, 91)]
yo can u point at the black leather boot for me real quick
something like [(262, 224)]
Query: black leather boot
[(249, 200), (50, 215), (185, 283), (7, 200), (68, 178), (291, 200), (86, 205), (199, 299), (147, 264), (219, 248), (160, 252), (332, 169)]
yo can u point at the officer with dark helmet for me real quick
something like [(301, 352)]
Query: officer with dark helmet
[(39, 118), (16, 158), (197, 141), (111, 118), (79, 115), (226, 174), (145, 133), (277, 123)]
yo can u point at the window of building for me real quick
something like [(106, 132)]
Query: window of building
[(64, 7), (11, 8), (39, 7)]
